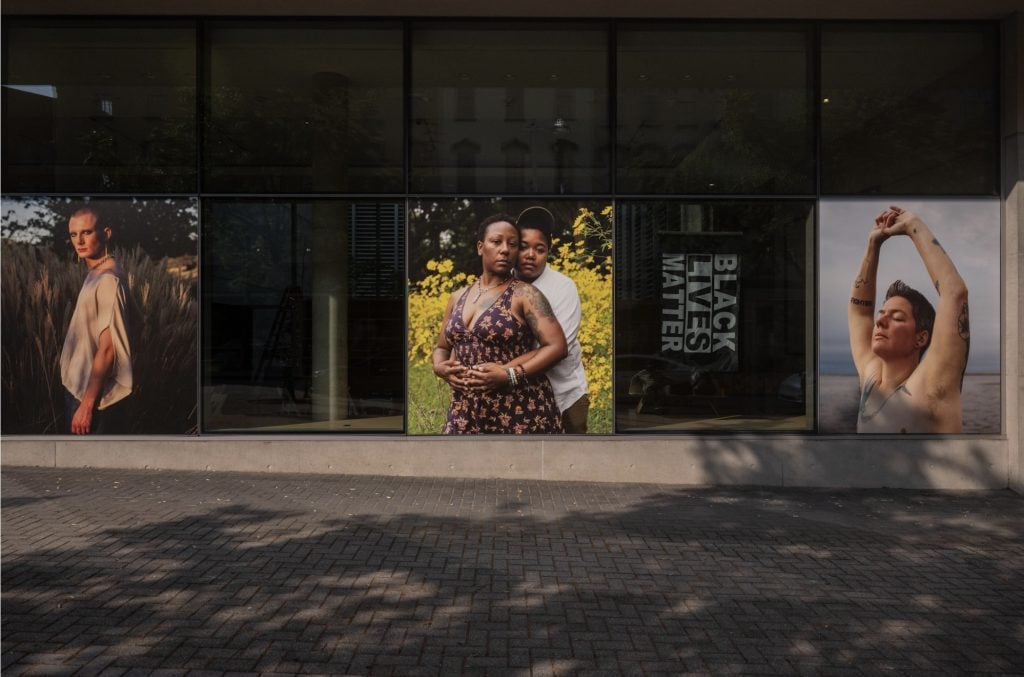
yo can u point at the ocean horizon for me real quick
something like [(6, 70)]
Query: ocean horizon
[(839, 397)]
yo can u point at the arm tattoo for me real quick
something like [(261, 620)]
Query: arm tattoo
[(861, 302), (531, 321), (538, 301), (935, 241), (859, 282), (963, 324)]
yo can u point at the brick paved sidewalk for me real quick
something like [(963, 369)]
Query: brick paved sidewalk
[(125, 572)]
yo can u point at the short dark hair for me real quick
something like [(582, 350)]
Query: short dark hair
[(86, 209), (920, 307), (481, 230), (537, 218)]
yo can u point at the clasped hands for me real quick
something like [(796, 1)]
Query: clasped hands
[(892, 221), (472, 378)]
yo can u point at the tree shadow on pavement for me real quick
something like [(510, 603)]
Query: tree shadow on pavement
[(679, 580)]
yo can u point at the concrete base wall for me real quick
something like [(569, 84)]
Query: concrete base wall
[(913, 463), (1013, 245)]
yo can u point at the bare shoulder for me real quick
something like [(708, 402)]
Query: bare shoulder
[(521, 288), (529, 295), (454, 297)]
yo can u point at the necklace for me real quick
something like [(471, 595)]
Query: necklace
[(481, 288), (864, 415), (104, 258)]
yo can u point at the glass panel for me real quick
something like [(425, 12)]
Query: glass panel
[(520, 108), (134, 262), (102, 105), (303, 313), (909, 109), (969, 233), (303, 107), (713, 316), (576, 278), (715, 108)]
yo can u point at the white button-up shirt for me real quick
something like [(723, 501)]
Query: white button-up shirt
[(568, 379)]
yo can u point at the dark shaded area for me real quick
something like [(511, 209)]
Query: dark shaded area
[(710, 315), (22, 501), (117, 112), (369, 575), (290, 288)]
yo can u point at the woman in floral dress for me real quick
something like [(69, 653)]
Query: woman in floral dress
[(498, 337)]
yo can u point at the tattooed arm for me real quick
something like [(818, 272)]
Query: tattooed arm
[(860, 312), (528, 305), (541, 319), (946, 359)]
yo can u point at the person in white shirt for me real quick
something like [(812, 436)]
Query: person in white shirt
[(567, 377), (96, 361)]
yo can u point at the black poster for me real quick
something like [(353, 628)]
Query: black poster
[(700, 317)]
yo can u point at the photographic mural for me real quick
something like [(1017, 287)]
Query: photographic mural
[(99, 316), (909, 317), (509, 317)]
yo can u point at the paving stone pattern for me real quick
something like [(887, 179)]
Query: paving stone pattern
[(171, 573)]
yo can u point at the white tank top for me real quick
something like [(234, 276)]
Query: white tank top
[(893, 413)]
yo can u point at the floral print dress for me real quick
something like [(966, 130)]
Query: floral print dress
[(498, 336)]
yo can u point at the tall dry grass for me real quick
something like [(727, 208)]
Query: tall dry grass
[(39, 290)]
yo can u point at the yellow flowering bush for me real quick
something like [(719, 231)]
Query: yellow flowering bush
[(586, 258), (427, 300)]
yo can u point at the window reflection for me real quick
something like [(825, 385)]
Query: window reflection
[(713, 323), (510, 109), (909, 109), (303, 316), (302, 107), (714, 109), (99, 107)]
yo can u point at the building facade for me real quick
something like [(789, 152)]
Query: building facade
[(290, 195)]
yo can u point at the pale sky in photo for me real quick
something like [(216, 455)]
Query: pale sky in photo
[(968, 230)]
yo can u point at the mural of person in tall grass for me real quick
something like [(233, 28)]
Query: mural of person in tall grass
[(131, 367)]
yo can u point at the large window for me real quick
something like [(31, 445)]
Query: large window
[(968, 230), (713, 316), (507, 108), (909, 109), (443, 261), (302, 315), (303, 107), (302, 195), (99, 106), (137, 285), (715, 109)]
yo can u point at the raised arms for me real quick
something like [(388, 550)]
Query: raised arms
[(860, 312), (946, 359)]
